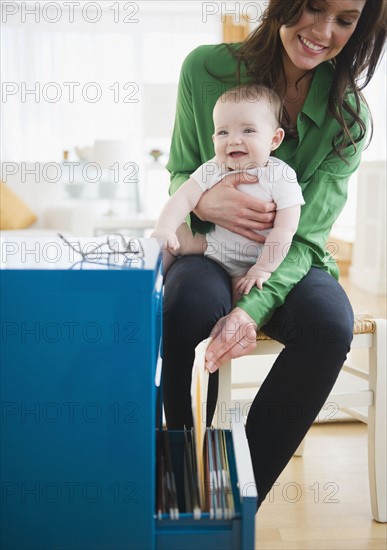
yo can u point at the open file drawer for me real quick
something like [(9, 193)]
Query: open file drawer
[(231, 534)]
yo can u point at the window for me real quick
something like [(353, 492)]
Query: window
[(70, 83)]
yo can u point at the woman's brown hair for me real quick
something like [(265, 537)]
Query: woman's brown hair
[(354, 65)]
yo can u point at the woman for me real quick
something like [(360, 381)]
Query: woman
[(312, 52)]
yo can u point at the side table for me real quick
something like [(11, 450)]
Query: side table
[(86, 219), (136, 226)]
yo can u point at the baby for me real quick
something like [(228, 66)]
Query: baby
[(247, 129)]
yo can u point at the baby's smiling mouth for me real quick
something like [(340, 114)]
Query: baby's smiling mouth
[(237, 154)]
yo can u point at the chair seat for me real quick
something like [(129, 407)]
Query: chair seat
[(364, 324)]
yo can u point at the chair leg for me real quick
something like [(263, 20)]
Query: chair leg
[(377, 441), (222, 417), (300, 449)]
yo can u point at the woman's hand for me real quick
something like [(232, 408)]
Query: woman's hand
[(238, 212), (233, 336)]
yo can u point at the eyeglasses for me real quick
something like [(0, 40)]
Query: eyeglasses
[(116, 249)]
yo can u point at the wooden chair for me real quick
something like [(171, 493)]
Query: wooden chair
[(370, 334)]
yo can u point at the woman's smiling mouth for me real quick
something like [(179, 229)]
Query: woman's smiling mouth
[(311, 46)]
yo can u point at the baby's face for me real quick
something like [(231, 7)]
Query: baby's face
[(245, 133)]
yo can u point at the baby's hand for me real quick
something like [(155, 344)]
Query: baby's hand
[(254, 277), (167, 238)]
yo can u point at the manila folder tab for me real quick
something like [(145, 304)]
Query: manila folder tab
[(199, 387)]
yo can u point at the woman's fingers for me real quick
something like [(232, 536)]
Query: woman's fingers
[(240, 349), (233, 336)]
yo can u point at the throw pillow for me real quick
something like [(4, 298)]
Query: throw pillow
[(14, 213)]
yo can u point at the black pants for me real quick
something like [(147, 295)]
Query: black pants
[(316, 326)]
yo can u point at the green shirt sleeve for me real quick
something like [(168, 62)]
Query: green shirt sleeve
[(184, 155), (200, 85)]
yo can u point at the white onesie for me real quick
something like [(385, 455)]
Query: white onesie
[(277, 182)]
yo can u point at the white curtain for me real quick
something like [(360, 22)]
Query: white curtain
[(120, 52)]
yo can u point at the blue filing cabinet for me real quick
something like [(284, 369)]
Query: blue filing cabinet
[(80, 345), (78, 360)]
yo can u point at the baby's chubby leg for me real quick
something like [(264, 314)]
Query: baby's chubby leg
[(189, 244)]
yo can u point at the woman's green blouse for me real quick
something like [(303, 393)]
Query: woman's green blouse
[(206, 73)]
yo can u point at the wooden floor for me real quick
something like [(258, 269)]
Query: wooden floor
[(322, 499)]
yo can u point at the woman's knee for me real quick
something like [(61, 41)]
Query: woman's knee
[(317, 312), (330, 313)]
